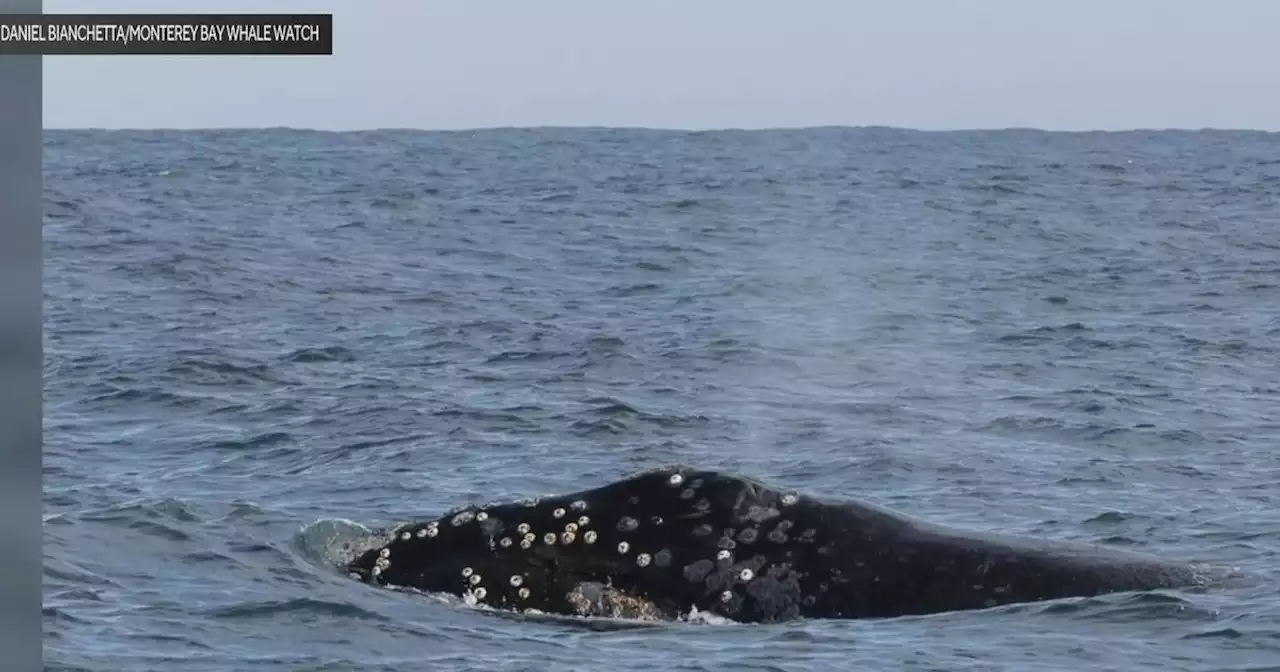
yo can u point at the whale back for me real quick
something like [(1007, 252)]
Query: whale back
[(676, 537), (669, 540)]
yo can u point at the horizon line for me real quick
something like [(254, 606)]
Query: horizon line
[(674, 129)]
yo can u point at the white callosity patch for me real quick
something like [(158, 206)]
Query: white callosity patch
[(726, 574), (462, 518), (623, 547), (628, 524), (558, 513), (759, 514), (567, 538), (778, 534), (643, 559), (675, 480), (578, 505), (590, 537), (731, 603), (523, 528)]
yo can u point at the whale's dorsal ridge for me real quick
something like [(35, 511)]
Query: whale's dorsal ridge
[(676, 538)]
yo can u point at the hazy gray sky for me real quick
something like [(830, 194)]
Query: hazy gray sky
[(1084, 64)]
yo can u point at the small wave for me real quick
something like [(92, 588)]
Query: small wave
[(1044, 333), (513, 417), (609, 415), (1111, 518), (167, 508), (590, 428), (995, 188), (104, 391), (639, 289), (160, 529), (1119, 540), (57, 208), (261, 440), (556, 197), (1124, 607), (303, 606), (431, 298), (605, 342), (61, 571), (358, 446), (525, 356), (215, 370), (1023, 422), (332, 353), (207, 556), (55, 614), (1216, 633), (167, 520)]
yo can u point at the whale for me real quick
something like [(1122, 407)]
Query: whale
[(667, 542)]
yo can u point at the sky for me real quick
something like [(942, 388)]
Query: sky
[(699, 64)]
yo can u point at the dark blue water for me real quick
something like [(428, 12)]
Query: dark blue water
[(258, 340)]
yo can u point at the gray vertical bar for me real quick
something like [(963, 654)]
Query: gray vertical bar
[(21, 354)]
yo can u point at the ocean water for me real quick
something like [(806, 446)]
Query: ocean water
[(258, 341)]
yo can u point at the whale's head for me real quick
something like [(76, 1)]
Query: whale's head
[(666, 540)]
